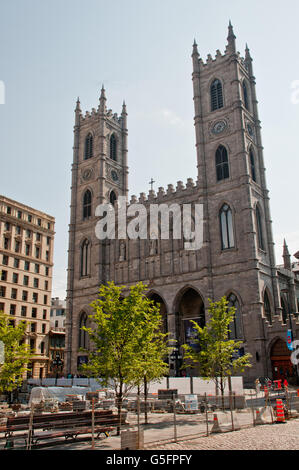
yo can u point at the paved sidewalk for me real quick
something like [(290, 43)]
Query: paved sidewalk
[(280, 436)]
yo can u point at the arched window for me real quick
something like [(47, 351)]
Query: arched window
[(227, 229), (284, 310), (85, 258), (87, 204), (245, 95), (252, 165), (235, 327), (88, 149), (82, 334), (112, 198), (267, 308), (113, 147), (216, 95), (222, 169), (259, 228)]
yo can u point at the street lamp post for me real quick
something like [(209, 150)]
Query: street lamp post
[(57, 364), (176, 357)]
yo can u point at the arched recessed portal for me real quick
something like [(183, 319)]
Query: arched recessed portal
[(282, 367), (163, 310), (190, 308)]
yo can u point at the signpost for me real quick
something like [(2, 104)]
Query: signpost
[(289, 340)]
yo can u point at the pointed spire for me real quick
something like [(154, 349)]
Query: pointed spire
[(286, 256), (103, 100), (77, 112), (231, 39)]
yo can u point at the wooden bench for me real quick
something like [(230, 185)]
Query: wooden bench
[(53, 426)]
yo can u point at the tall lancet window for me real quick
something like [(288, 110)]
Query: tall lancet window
[(87, 204), (245, 95), (113, 147), (82, 333), (216, 95), (222, 168), (259, 227), (236, 331), (85, 258), (226, 227), (252, 165), (88, 149), (267, 308)]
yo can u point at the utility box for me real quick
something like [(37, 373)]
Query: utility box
[(130, 440)]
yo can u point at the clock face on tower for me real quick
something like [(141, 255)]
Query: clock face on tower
[(114, 175), (219, 127)]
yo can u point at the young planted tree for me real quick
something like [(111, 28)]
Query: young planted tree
[(16, 354), (129, 345), (217, 355)]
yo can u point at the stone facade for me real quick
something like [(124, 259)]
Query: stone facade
[(26, 265), (237, 256)]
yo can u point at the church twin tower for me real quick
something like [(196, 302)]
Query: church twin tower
[(237, 256)]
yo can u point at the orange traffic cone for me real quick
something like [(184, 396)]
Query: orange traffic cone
[(216, 427), (280, 417)]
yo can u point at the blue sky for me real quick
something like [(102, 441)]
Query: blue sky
[(53, 51)]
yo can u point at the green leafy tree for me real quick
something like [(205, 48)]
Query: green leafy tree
[(129, 345), (217, 355), (16, 354)]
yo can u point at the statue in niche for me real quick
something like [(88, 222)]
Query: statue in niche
[(122, 251), (153, 247)]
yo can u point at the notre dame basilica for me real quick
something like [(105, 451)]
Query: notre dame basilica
[(236, 258)]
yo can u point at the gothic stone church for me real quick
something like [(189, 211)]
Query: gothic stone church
[(237, 257)]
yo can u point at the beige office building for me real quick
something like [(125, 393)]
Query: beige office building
[(26, 264)]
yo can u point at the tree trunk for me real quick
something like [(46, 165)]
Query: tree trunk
[(145, 400)]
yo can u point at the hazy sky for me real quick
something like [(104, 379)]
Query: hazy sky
[(53, 51)]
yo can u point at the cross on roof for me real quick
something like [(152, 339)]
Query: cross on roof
[(151, 183)]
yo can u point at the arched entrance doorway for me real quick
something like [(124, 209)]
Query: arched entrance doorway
[(282, 367), (191, 308), (163, 310)]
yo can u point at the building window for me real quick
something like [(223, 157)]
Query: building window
[(3, 275), (35, 282), (112, 198), (88, 149), (16, 263), (259, 228), (87, 204), (216, 95), (37, 252), (6, 243), (25, 295), (85, 257), (252, 165), (12, 309), (267, 308), (222, 169), (82, 333), (236, 325), (2, 291), (25, 280), (34, 312), (113, 147), (5, 260), (27, 250), (19, 214), (15, 278), (227, 229), (23, 311), (245, 95), (14, 293), (26, 266), (35, 297)]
